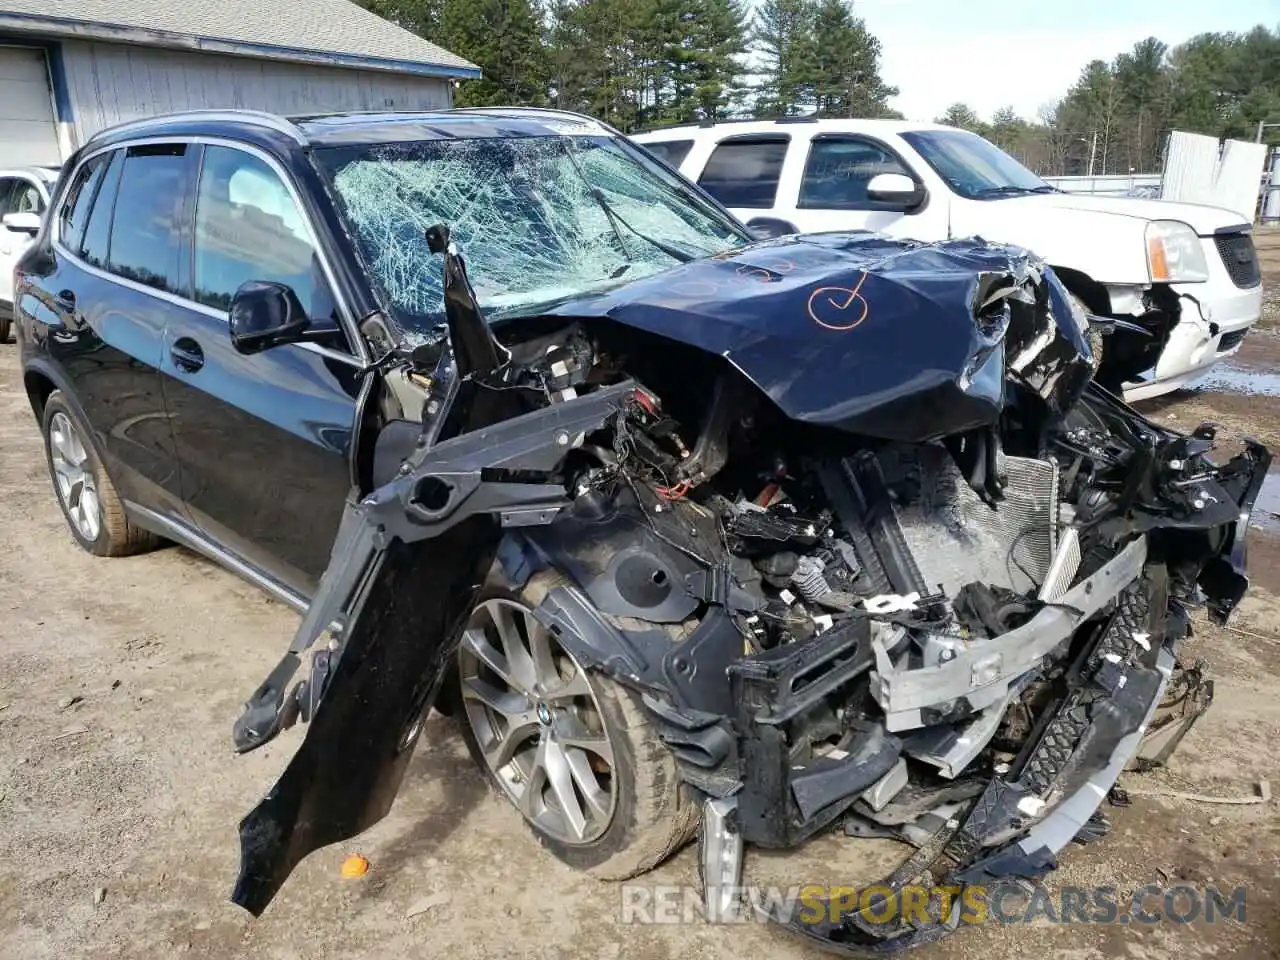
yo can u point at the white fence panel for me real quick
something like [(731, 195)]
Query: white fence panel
[(1198, 170)]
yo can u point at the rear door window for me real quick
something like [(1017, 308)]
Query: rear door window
[(838, 170), (146, 235), (248, 227), (672, 152), (75, 208), (745, 172), (97, 232)]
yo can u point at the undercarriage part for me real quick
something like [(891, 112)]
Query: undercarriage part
[(783, 800), (878, 795), (952, 747), (1188, 695), (982, 673), (731, 400), (856, 490), (346, 773), (720, 848), (964, 840)]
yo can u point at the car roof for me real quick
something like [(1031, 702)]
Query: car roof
[(357, 128), (47, 174), (782, 126)]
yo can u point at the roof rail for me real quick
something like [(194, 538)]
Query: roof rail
[(705, 124), (256, 117), (548, 111)]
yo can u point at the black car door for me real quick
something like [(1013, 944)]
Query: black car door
[(263, 440), (107, 291)]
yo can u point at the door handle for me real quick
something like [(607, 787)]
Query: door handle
[(65, 300), (186, 354)]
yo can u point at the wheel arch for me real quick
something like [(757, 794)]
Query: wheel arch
[(1093, 294)]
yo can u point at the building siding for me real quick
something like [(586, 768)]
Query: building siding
[(110, 83)]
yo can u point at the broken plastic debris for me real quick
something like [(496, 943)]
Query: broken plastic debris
[(355, 866), (1031, 806)]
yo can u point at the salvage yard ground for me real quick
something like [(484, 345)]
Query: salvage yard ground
[(119, 794)]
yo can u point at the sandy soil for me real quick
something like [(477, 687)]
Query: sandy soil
[(121, 679)]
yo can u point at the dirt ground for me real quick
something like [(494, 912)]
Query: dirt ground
[(120, 796)]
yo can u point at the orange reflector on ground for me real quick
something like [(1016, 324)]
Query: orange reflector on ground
[(355, 866)]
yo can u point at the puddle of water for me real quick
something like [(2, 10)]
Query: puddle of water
[(1225, 378), (1266, 509)]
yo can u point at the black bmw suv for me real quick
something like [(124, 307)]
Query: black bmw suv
[(684, 525), (162, 422)]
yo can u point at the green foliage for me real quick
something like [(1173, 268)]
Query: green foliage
[(818, 58), (646, 62), (641, 63), (1221, 84)]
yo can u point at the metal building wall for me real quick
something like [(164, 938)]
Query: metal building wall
[(109, 83)]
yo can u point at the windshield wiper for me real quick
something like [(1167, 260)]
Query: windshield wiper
[(1009, 190), (674, 252)]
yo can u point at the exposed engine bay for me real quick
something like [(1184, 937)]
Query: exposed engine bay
[(861, 583)]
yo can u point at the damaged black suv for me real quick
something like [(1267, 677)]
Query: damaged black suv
[(686, 527)]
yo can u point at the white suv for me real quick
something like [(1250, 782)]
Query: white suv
[(1186, 274), (24, 193)]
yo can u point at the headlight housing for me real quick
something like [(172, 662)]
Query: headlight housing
[(1174, 254)]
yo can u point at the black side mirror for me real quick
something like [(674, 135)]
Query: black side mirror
[(265, 314), (895, 188), (768, 228)]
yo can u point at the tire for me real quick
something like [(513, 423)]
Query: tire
[(1094, 335), (93, 495), (651, 816), (5, 324)]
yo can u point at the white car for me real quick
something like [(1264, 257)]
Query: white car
[(24, 195), (1186, 274)]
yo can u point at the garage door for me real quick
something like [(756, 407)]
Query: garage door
[(27, 131)]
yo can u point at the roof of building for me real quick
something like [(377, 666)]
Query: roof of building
[(336, 32), (779, 126)]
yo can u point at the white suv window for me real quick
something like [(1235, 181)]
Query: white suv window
[(19, 196), (838, 170), (744, 171)]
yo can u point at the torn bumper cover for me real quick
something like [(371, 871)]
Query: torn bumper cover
[(1013, 830)]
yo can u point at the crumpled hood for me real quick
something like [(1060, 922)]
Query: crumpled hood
[(877, 336)]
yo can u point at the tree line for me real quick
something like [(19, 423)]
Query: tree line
[(1116, 117), (643, 63)]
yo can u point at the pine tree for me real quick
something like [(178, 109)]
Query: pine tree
[(504, 38), (961, 115), (846, 64), (785, 39)]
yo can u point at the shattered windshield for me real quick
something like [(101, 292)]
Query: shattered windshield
[(974, 167), (539, 219)]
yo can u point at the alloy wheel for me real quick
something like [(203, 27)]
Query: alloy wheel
[(73, 476), (537, 722)]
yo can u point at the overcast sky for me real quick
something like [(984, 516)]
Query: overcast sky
[(990, 53)]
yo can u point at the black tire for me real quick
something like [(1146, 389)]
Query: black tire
[(5, 324), (116, 536), (653, 815)]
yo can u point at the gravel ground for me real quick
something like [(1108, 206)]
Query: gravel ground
[(119, 794)]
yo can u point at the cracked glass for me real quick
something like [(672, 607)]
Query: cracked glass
[(538, 219)]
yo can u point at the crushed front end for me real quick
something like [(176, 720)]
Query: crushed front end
[(847, 513)]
